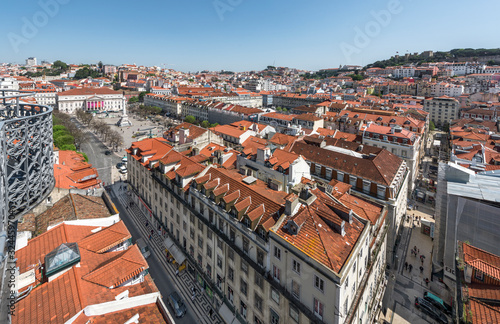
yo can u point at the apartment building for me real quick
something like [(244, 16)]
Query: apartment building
[(446, 89), (341, 276), (235, 235), (400, 142), (46, 97), (169, 104), (362, 169), (442, 109), (186, 135)]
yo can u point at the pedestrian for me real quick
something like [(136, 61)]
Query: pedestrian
[(426, 281), (422, 260), (410, 267), (177, 272), (210, 313), (418, 251), (150, 236), (406, 265), (147, 223), (421, 269)]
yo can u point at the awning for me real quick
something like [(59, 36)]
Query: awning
[(174, 250), (227, 315)]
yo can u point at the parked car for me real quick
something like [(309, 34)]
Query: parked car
[(123, 171), (430, 310), (437, 302), (177, 304), (143, 247)]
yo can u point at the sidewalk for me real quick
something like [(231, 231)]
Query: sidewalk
[(184, 281)]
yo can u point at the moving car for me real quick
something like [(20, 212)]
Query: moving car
[(437, 302), (177, 304), (143, 247), (430, 310)]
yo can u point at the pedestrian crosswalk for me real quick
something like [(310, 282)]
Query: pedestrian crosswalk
[(186, 284)]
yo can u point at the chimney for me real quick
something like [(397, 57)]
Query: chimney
[(291, 202)]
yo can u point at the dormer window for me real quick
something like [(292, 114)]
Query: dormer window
[(234, 212), (203, 190), (223, 204), (212, 196), (247, 222)]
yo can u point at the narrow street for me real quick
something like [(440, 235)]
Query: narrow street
[(162, 272)]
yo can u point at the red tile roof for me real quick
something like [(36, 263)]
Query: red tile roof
[(88, 92), (319, 240), (486, 262)]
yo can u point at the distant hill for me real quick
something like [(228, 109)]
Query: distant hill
[(488, 56)]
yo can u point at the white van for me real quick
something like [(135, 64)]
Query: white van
[(143, 247)]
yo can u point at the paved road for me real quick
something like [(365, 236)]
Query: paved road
[(95, 150), (158, 272)]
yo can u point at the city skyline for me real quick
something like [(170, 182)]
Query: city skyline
[(236, 35)]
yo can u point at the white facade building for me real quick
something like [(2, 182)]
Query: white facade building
[(90, 99)]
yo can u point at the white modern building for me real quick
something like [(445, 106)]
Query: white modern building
[(442, 109)]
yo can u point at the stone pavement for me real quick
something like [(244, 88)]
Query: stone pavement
[(184, 281)]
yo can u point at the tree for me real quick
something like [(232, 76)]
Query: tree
[(133, 100), (205, 124), (190, 119), (432, 126), (279, 109), (141, 95), (59, 65), (214, 125)]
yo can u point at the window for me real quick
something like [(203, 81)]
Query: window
[(191, 217), (219, 243), (275, 295), (257, 320), (346, 306), (232, 234), (258, 302), (275, 318), (318, 308), (340, 176), (354, 267), (259, 281), (244, 266), (366, 186), (209, 234), (260, 257), (243, 287), (230, 294), (200, 242), (200, 225), (184, 226), (191, 233), (243, 309), (295, 289), (230, 273), (277, 253), (200, 260), (219, 261), (479, 275), (352, 181), (276, 273), (294, 313), (231, 254), (209, 251), (245, 245), (296, 266), (209, 270), (319, 283)]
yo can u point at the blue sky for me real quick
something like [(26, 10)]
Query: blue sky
[(240, 35)]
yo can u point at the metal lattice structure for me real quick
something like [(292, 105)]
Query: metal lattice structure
[(26, 147), (26, 174)]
